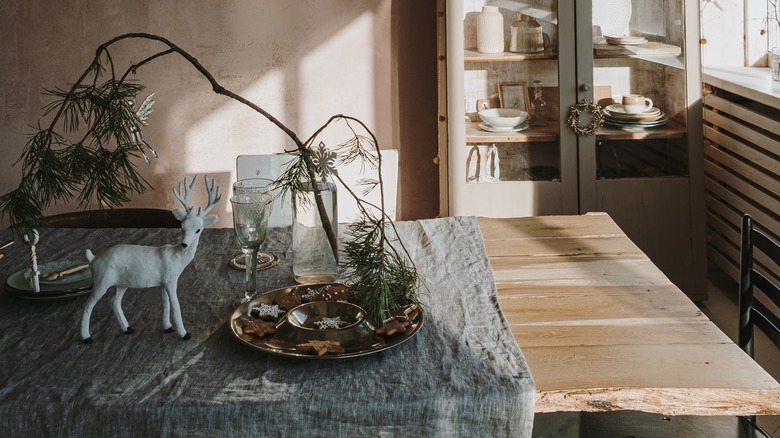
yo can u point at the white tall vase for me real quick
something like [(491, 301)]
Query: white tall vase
[(490, 30)]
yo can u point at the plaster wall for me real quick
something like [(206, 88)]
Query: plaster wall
[(302, 61)]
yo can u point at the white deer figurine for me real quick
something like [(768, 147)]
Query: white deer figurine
[(138, 266)]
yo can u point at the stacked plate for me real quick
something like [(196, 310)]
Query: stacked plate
[(66, 286), (615, 115), (625, 40), (490, 128), (503, 120)]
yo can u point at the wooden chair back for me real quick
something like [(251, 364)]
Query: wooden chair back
[(758, 295), (755, 312)]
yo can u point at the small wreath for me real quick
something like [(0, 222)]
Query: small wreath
[(574, 118)]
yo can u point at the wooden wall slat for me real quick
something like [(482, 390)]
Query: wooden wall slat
[(743, 201), (742, 175), (741, 112), (747, 151), (747, 170)]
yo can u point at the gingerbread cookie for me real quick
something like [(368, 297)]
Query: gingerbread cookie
[(288, 301), (392, 326), (258, 328), (321, 347), (309, 296), (327, 293)]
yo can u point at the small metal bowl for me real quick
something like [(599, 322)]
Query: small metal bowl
[(302, 323)]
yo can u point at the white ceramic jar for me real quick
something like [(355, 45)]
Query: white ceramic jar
[(490, 30)]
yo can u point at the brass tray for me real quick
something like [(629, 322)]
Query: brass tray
[(357, 337)]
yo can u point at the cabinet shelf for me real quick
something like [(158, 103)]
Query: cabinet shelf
[(535, 133), (670, 130), (648, 49), (602, 50), (550, 133), (473, 56)]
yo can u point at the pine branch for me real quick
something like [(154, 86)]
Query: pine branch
[(99, 167)]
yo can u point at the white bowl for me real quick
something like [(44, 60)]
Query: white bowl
[(503, 117)]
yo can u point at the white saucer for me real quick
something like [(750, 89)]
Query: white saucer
[(617, 109), (489, 128), (625, 40)]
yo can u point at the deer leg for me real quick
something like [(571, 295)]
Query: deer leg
[(120, 315), (166, 317), (97, 293), (174, 301)]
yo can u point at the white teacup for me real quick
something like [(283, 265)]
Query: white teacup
[(636, 104)]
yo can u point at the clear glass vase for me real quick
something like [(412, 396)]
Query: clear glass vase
[(315, 260)]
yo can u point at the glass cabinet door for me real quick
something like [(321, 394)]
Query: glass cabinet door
[(504, 55), (638, 55)]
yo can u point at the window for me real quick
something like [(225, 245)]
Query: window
[(723, 21)]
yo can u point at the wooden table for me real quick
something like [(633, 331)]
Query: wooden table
[(603, 329)]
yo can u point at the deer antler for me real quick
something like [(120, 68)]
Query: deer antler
[(213, 197), (185, 198)]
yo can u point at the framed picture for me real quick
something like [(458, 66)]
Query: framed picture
[(514, 95)]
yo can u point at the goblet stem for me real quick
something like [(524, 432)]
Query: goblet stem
[(251, 272)]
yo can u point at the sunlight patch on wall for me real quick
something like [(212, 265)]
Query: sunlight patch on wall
[(338, 77)]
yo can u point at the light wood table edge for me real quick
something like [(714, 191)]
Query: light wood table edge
[(663, 401)]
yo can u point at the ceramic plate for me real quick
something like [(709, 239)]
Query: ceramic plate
[(49, 295), (636, 117), (18, 285), (617, 110), (636, 124), (625, 40), (489, 128), (357, 338), (48, 268)]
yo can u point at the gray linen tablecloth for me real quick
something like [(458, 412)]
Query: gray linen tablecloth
[(461, 375)]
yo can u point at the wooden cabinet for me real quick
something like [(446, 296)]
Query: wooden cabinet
[(646, 176)]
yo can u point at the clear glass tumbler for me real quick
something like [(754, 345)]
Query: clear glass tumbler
[(265, 260)]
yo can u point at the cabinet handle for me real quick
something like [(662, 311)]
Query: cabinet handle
[(574, 117)]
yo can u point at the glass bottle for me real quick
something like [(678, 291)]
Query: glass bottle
[(538, 106)]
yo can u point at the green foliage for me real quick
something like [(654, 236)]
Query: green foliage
[(382, 279), (89, 148), (87, 151)]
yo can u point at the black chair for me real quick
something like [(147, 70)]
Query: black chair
[(754, 312), (115, 218)]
